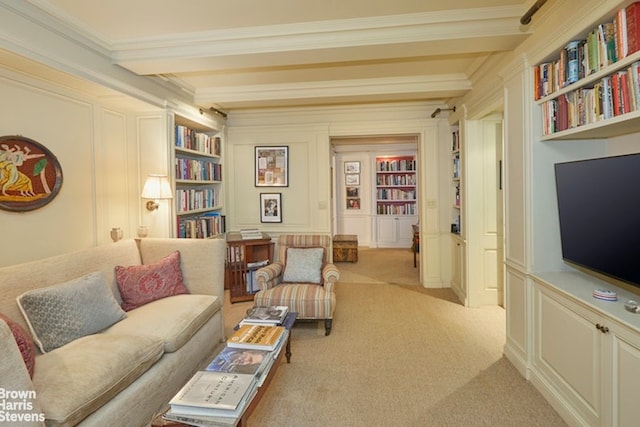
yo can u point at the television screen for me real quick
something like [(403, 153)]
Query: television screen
[(599, 208)]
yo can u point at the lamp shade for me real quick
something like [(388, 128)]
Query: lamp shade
[(157, 187)]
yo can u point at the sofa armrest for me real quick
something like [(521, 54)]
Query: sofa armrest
[(202, 261), (331, 275), (269, 275), (14, 374)]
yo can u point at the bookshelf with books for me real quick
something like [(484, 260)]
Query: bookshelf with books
[(197, 173), (593, 106), (396, 201), (591, 87), (244, 258)]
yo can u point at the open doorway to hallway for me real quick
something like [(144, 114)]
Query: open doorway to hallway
[(376, 190)]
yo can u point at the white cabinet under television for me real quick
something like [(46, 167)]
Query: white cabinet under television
[(597, 375)]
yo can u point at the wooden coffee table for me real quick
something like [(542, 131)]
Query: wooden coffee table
[(242, 421)]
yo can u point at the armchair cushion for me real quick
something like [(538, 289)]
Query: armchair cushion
[(304, 265)]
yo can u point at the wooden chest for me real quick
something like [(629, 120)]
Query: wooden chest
[(345, 248)]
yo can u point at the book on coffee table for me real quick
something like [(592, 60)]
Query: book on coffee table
[(240, 361), (219, 394), (260, 337), (273, 315)]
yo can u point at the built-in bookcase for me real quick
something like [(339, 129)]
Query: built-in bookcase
[(198, 180), (396, 185), (591, 87)]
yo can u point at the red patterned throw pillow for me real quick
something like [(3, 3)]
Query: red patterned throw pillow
[(141, 284), (25, 343)]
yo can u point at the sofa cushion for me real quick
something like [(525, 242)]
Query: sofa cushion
[(78, 378), (62, 313), (304, 265), (141, 284), (24, 342), (174, 319)]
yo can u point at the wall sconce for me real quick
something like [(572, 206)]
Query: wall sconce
[(156, 188)]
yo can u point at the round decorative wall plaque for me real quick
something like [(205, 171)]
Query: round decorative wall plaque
[(30, 175)]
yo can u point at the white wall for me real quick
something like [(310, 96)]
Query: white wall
[(309, 130), (97, 149)]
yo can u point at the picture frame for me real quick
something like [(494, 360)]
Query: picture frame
[(272, 166), (353, 191), (353, 202), (32, 174), (352, 179), (352, 167), (270, 207)]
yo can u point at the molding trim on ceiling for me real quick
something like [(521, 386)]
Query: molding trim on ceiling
[(430, 26), (337, 88)]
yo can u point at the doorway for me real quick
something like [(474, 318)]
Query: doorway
[(359, 189)]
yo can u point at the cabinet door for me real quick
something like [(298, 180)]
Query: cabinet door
[(567, 353), (386, 233), (625, 375)]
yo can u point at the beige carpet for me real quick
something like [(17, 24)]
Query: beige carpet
[(399, 355)]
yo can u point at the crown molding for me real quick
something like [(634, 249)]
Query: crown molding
[(335, 88), (344, 33)]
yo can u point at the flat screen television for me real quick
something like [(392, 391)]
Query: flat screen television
[(599, 208)]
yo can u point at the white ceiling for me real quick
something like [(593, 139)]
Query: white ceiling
[(256, 53)]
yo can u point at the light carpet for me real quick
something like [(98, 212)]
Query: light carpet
[(399, 355)]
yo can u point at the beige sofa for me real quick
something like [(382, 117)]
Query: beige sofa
[(126, 374)]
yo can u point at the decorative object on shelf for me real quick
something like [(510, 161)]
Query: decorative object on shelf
[(270, 207), (116, 234), (156, 188), (30, 175), (352, 179), (352, 167), (143, 231), (272, 166)]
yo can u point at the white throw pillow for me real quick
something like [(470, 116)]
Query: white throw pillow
[(62, 313), (304, 265)]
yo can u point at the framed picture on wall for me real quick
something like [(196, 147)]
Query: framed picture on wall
[(30, 174), (353, 191), (272, 166), (352, 179), (270, 207), (353, 202), (352, 167)]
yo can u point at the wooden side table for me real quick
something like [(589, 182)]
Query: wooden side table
[(244, 257)]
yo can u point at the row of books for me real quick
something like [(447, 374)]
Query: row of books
[(250, 278), (604, 45), (395, 194), (189, 199), (198, 170), (396, 165), (197, 141), (394, 208), (408, 179), (609, 97), (204, 226), (220, 393)]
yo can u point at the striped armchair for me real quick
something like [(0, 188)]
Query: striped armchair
[(309, 299)]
